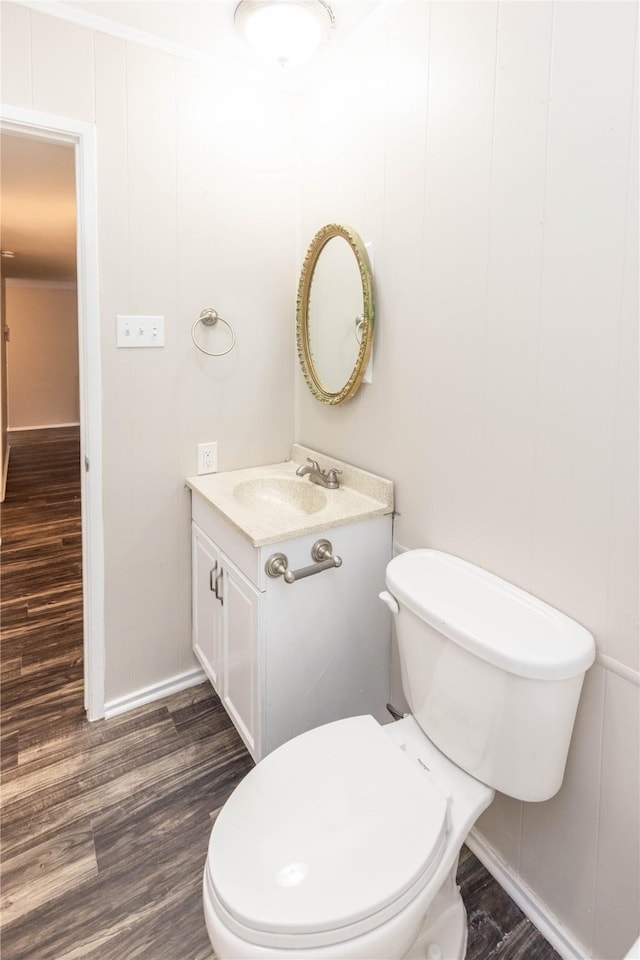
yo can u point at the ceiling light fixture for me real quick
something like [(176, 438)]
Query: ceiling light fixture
[(284, 32)]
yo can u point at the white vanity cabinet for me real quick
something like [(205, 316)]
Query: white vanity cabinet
[(206, 619), (240, 671), (225, 631), (283, 657)]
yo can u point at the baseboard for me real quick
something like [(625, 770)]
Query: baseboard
[(5, 470), (549, 926), (44, 426), (155, 692)]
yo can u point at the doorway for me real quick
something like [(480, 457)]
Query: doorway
[(79, 138), (41, 552), (39, 266)]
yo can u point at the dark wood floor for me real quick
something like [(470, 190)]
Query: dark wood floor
[(41, 600), (105, 825)]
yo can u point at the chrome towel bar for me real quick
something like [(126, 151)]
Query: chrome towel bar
[(277, 564)]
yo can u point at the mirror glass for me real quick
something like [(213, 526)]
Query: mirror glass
[(335, 315)]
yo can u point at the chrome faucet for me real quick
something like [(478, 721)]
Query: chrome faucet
[(324, 478)]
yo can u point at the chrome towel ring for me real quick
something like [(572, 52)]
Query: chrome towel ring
[(209, 317)]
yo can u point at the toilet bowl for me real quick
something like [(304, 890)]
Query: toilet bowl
[(356, 829), (344, 842)]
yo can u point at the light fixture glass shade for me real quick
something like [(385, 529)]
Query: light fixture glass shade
[(285, 32)]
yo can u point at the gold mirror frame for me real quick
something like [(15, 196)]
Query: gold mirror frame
[(305, 355)]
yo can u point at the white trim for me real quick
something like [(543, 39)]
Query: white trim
[(620, 670), (114, 28), (608, 663), (41, 284), (5, 470), (44, 126), (551, 928), (398, 547), (156, 691), (43, 426), (294, 79)]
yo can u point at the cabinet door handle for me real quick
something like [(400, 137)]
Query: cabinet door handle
[(211, 577), (216, 590)]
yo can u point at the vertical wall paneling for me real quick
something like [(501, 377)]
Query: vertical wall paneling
[(15, 69), (450, 373), (618, 877), (558, 855), (62, 68), (518, 177), (121, 592), (587, 185), (400, 290), (181, 225), (504, 401), (151, 205), (620, 637), (490, 152), (196, 139)]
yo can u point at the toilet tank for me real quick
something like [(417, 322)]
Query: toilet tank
[(492, 674)]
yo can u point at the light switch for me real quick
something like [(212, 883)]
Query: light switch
[(134, 331)]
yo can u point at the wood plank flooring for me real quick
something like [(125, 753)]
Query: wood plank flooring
[(105, 831), (41, 601), (105, 825)]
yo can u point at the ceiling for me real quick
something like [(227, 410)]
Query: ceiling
[(38, 212), (202, 26)]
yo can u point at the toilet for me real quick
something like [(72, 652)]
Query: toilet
[(344, 842)]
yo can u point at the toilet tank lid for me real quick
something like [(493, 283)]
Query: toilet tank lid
[(489, 617)]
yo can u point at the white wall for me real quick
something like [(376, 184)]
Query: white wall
[(490, 153), (196, 209), (42, 375)]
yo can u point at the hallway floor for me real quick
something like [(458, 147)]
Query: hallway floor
[(105, 825), (41, 603)]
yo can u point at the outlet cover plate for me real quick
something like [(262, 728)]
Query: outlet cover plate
[(207, 457)]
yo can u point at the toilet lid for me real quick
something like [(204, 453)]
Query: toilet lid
[(328, 830)]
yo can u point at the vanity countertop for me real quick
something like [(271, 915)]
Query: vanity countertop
[(270, 503)]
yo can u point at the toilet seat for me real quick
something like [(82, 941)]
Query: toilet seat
[(328, 837)]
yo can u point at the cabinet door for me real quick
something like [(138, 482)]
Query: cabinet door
[(206, 607), (240, 660)]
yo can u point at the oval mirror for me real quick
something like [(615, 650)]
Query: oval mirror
[(335, 314)]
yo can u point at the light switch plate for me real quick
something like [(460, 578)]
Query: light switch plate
[(136, 331)]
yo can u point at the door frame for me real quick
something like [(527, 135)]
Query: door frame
[(82, 135)]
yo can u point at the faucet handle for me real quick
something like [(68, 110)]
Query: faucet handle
[(313, 463)]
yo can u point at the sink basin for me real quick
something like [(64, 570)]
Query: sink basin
[(270, 503), (281, 493)]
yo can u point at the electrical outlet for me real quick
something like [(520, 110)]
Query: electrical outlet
[(207, 457)]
